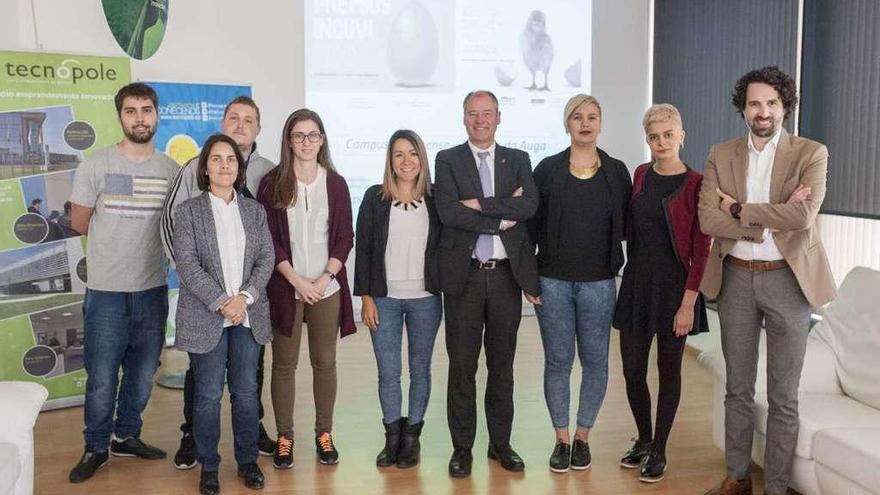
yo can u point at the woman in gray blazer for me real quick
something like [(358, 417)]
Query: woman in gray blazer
[(224, 259)]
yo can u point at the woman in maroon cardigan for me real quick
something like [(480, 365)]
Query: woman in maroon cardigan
[(659, 295), (309, 215)]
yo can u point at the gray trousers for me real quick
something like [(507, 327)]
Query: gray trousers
[(746, 300)]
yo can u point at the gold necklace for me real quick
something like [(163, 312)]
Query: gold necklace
[(584, 172)]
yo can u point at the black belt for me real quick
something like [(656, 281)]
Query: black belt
[(489, 264)]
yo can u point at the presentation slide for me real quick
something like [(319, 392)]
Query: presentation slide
[(375, 66)]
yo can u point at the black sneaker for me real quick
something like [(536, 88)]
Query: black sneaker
[(209, 484), (283, 452), (185, 458), (633, 457), (580, 455), (87, 465), (560, 458), (134, 447), (653, 467), (327, 453), (265, 444), (252, 476)]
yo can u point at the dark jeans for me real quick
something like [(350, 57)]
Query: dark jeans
[(634, 349), (575, 316), (422, 318), (487, 313), (122, 329), (189, 393), (234, 358)]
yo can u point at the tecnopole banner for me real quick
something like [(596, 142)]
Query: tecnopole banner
[(55, 110)]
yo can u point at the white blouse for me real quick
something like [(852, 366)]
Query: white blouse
[(231, 244), (405, 250), (309, 221)]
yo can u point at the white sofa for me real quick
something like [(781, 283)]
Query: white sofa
[(20, 402), (838, 446)]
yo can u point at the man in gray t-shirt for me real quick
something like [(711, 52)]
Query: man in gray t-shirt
[(117, 201)]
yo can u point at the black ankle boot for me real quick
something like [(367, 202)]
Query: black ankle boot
[(408, 455), (388, 456)]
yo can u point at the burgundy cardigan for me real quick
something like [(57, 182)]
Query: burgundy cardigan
[(680, 209), (340, 237)]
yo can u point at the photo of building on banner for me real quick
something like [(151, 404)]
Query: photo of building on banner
[(55, 111)]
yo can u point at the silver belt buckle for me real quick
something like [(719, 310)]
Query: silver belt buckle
[(489, 265)]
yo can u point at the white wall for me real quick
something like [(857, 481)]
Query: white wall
[(213, 41)]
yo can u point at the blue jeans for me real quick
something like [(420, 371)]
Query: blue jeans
[(575, 313), (235, 359), (124, 329), (422, 318)]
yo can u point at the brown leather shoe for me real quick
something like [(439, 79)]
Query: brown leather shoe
[(733, 487)]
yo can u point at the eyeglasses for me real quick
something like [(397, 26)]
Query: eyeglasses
[(300, 138)]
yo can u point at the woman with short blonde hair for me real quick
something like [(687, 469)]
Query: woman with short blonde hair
[(659, 298), (578, 230)]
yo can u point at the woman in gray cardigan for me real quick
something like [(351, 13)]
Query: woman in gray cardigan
[(224, 259)]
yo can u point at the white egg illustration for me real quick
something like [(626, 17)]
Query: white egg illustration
[(413, 45)]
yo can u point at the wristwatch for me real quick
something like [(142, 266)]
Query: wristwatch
[(735, 210), (331, 274)]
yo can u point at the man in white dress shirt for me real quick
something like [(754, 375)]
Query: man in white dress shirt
[(760, 197)]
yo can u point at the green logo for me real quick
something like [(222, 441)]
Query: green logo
[(137, 25)]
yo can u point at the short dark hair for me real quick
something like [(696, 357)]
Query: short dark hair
[(243, 100), (478, 92), (773, 76), (202, 170), (36, 200), (136, 90)]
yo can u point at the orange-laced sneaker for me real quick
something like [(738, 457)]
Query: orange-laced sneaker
[(283, 458), (327, 453)]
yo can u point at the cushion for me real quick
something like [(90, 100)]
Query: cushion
[(852, 452), (818, 412), (10, 468), (818, 374), (851, 327)]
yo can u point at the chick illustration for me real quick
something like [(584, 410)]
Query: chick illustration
[(537, 47)]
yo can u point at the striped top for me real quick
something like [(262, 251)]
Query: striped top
[(124, 253)]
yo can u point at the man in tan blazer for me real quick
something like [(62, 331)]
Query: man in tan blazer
[(760, 197)]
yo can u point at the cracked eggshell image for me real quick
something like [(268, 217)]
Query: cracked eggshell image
[(413, 46)]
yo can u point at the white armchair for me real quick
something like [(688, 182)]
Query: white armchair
[(838, 446), (20, 402)]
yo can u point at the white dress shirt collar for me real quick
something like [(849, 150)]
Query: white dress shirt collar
[(774, 141)]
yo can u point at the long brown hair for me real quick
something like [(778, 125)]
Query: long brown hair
[(423, 181), (284, 176)]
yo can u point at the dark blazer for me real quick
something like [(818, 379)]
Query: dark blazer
[(340, 238), (202, 287), (458, 178), (545, 227), (372, 238)]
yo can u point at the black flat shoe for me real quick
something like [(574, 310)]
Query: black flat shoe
[(653, 467), (580, 455), (460, 463), (633, 457), (209, 484), (507, 457), (252, 476), (560, 458)]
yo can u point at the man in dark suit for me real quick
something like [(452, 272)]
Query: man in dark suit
[(484, 194)]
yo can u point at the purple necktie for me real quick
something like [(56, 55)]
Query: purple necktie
[(484, 242)]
